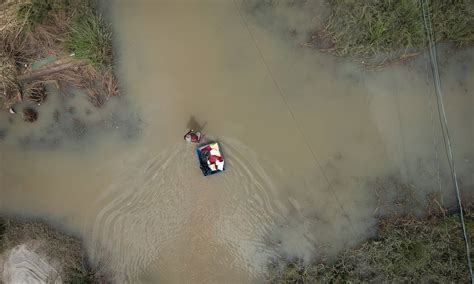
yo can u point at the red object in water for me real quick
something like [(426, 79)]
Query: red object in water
[(206, 149), (210, 157), (213, 159), (192, 136)]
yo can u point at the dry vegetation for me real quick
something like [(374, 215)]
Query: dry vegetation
[(63, 251), (406, 250), (54, 41)]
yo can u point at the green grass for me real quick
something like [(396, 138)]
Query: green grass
[(36, 12), (407, 250), (371, 27), (454, 21), (91, 39)]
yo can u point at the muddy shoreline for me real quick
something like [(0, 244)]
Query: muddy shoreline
[(318, 148), (64, 255)]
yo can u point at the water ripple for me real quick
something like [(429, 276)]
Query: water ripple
[(158, 201)]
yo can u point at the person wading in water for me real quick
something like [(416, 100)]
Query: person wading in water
[(193, 136)]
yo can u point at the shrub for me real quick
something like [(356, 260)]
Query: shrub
[(91, 39)]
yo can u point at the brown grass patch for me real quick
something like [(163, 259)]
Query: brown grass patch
[(61, 250), (31, 30)]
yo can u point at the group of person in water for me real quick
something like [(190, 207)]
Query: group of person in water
[(210, 156), (193, 136)]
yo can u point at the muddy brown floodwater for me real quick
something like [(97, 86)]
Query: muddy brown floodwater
[(305, 135)]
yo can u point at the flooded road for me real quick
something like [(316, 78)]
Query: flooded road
[(305, 136)]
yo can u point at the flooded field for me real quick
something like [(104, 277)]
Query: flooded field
[(313, 144)]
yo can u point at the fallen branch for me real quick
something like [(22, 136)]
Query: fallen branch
[(53, 67)]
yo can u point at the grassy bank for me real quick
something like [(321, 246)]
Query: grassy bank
[(373, 27), (406, 250), (64, 252), (65, 42)]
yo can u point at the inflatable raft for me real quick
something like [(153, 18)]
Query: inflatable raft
[(211, 159)]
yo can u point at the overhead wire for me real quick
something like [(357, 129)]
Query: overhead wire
[(438, 166), (285, 101), (444, 125), (441, 112)]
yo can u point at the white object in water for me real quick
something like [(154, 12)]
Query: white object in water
[(220, 165), (25, 266), (211, 166)]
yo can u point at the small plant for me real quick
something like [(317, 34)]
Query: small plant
[(91, 39), (37, 93), (34, 12), (30, 115)]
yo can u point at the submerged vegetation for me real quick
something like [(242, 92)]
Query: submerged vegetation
[(30, 115), (65, 42), (407, 249), (373, 27)]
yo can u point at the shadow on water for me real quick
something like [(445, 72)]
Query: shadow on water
[(195, 125)]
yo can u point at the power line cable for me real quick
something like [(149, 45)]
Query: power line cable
[(444, 124), (280, 91)]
